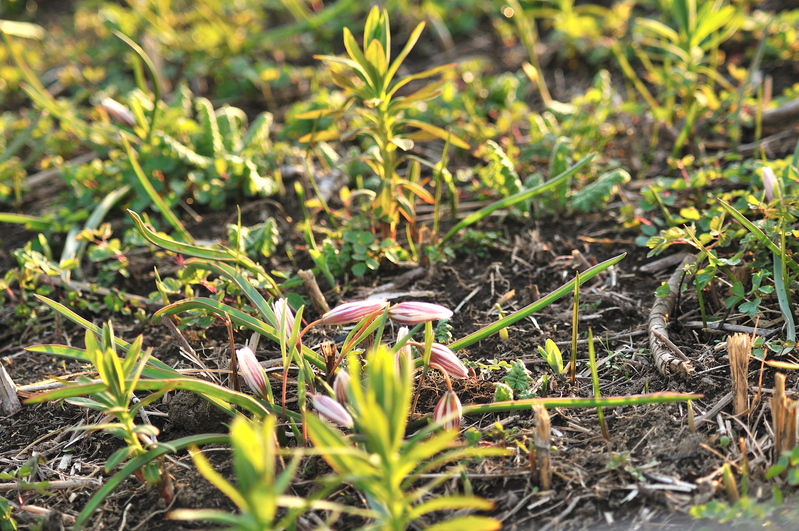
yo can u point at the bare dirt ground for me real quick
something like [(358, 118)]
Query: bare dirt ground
[(649, 473)]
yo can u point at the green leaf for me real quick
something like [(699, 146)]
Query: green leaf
[(409, 44), (35, 223), (598, 192), (332, 446), (117, 457), (472, 523), (608, 401), (663, 291), (759, 234), (373, 79), (154, 369)]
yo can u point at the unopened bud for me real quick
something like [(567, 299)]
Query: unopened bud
[(769, 183), (284, 318), (253, 373), (352, 312), (332, 410), (443, 359), (118, 112), (413, 313), (341, 386), (448, 412)]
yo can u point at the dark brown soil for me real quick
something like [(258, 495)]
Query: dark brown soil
[(618, 484)]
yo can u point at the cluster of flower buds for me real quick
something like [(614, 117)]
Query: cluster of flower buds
[(448, 411)]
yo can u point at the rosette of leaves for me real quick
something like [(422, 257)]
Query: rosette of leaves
[(216, 154), (367, 77), (385, 465)]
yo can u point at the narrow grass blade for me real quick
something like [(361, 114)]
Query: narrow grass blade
[(154, 369), (153, 74), (198, 251), (244, 285), (30, 222), (16, 144), (80, 321), (575, 328), (608, 401), (237, 316), (73, 248), (536, 306), (134, 464), (784, 299), (595, 384), (221, 309), (516, 198), (474, 523), (157, 200)]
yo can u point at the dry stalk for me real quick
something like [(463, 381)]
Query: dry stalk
[(739, 349), (9, 403), (542, 444), (314, 293), (783, 413), (668, 361)]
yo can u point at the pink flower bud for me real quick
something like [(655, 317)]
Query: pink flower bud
[(284, 318), (253, 373), (341, 386), (118, 112), (448, 412), (769, 183), (443, 359), (332, 410), (352, 312), (413, 313)]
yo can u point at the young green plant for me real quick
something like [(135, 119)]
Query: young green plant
[(385, 465), (368, 79)]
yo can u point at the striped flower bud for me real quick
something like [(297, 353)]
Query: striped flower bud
[(118, 112), (284, 318), (332, 410), (443, 359), (413, 313), (253, 373), (405, 353), (448, 412), (341, 386), (769, 183), (352, 312)]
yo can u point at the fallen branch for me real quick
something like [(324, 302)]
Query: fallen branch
[(667, 361)]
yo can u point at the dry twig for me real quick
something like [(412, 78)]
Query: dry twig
[(668, 359)]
